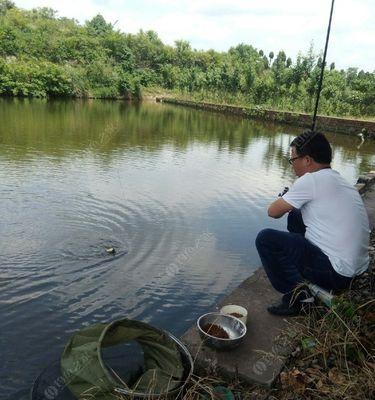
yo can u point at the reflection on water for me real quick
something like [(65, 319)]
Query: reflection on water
[(180, 194)]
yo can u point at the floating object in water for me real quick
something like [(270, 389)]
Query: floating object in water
[(362, 136), (236, 311), (110, 250)]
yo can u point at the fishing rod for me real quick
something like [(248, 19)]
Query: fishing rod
[(322, 69), (306, 136)]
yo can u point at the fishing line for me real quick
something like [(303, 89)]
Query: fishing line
[(322, 69)]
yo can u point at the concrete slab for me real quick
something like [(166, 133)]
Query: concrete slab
[(260, 358)]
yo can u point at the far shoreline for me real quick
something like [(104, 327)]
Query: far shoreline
[(334, 124), (348, 126)]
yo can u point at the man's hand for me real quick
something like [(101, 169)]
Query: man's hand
[(286, 190), (278, 208)]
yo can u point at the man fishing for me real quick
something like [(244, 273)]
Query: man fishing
[(328, 238)]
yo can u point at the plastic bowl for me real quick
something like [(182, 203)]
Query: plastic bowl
[(232, 308)]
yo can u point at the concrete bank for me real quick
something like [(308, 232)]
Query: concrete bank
[(262, 355), (324, 123)]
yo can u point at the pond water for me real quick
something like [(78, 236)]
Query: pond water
[(179, 193)]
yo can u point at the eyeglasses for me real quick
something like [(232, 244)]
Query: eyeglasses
[(294, 158)]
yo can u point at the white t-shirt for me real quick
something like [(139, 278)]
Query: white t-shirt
[(335, 217)]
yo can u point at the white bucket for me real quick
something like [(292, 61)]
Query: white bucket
[(231, 309)]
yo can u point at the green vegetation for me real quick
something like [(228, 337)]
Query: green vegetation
[(43, 55)]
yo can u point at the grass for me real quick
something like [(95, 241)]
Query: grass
[(334, 356), (242, 100)]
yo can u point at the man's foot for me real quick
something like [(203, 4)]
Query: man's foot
[(285, 310)]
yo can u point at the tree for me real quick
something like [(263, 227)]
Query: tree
[(98, 26), (45, 55), (184, 53), (279, 66), (351, 74), (280, 61), (119, 50), (249, 77), (6, 5), (244, 52), (182, 46), (265, 62), (44, 13)]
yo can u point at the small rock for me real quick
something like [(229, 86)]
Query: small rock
[(296, 351)]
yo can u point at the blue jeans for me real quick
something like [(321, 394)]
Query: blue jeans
[(289, 259)]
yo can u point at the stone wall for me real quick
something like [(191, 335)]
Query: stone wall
[(331, 124)]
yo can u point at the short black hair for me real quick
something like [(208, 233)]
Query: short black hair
[(313, 144)]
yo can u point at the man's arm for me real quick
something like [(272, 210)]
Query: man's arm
[(278, 208)]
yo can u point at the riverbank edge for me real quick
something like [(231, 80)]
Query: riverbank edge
[(227, 371), (347, 126)]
